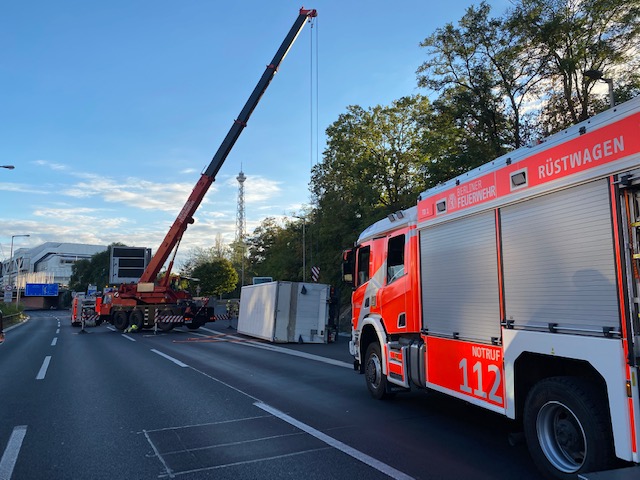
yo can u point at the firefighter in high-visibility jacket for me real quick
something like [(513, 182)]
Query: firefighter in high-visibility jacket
[(131, 328)]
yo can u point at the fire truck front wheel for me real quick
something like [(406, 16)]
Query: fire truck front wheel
[(567, 427), (376, 380)]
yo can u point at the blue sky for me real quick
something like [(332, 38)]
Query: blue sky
[(110, 111)]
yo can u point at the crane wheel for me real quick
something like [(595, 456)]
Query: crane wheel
[(165, 326), (137, 318), (121, 320)]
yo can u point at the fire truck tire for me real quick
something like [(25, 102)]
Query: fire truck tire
[(121, 320), (567, 427), (376, 380), (136, 318)]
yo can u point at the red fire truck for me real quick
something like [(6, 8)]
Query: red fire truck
[(515, 287)]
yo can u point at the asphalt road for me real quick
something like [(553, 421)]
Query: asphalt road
[(214, 404)]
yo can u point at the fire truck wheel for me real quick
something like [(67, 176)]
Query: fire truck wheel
[(120, 320), (567, 427), (376, 381)]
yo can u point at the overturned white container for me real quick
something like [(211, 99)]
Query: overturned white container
[(284, 312)]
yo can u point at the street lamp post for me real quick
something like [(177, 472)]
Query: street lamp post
[(595, 75), (11, 270), (304, 248)]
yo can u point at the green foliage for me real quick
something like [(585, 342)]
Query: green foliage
[(215, 277), (372, 158), (199, 255), (9, 310), (275, 250), (573, 37)]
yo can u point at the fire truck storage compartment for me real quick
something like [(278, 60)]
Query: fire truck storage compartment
[(283, 312), (558, 260), (460, 295)]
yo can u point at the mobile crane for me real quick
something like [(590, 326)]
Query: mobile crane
[(149, 302)]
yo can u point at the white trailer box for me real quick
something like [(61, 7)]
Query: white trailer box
[(285, 312)]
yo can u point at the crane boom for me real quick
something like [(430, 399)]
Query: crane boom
[(185, 217)]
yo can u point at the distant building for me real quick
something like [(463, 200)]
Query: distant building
[(50, 262)]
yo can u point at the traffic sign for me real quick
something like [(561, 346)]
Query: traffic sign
[(8, 293), (41, 290)]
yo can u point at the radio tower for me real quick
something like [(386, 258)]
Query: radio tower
[(241, 224)]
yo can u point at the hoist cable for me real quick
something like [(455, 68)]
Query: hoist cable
[(311, 99), (317, 94)]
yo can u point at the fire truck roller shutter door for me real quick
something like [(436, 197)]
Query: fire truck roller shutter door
[(459, 270), (558, 260)]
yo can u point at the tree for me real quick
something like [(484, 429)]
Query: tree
[(199, 255), (484, 78), (215, 277), (571, 37), (372, 166), (275, 250), (372, 159)]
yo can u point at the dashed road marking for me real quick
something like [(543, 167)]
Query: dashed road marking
[(43, 368), (10, 455), (54, 341), (174, 360)]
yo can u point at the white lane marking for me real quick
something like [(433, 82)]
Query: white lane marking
[(160, 457), (10, 455), (43, 368), (57, 331), (54, 341), (176, 361), (128, 337), (287, 351), (111, 328), (374, 463), (235, 464), (352, 452)]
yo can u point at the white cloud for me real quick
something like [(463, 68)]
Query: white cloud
[(260, 189), (51, 165), (133, 192), (21, 188)]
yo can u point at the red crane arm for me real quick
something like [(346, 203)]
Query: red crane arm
[(185, 217)]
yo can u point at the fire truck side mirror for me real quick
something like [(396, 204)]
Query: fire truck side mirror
[(347, 266)]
